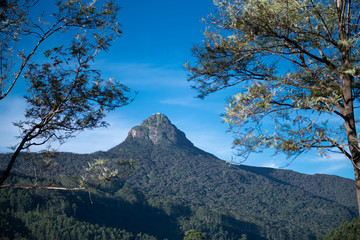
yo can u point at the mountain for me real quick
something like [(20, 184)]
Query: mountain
[(158, 129), (177, 187)]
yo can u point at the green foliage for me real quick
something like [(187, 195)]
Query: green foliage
[(64, 99), (100, 171), (65, 94), (238, 200), (98, 18), (193, 235), (294, 64), (346, 231), (176, 188), (54, 215)]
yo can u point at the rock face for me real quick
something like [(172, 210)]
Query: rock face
[(159, 129)]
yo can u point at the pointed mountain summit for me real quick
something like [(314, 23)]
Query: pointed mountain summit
[(199, 189), (159, 129), (176, 187)]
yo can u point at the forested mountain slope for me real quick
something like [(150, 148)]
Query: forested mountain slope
[(182, 187)]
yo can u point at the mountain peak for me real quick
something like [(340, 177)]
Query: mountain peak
[(156, 119), (158, 128)]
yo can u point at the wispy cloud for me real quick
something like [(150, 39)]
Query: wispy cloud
[(100, 139), (88, 141), (333, 168), (144, 75), (329, 158), (271, 165), (212, 140), (187, 101), (334, 157), (333, 163), (12, 110), (178, 101)]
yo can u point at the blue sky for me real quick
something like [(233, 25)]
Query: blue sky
[(157, 39)]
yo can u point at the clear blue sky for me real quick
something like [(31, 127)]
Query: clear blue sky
[(157, 39)]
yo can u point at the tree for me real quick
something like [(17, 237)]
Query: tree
[(193, 235), (346, 231), (65, 94), (296, 65)]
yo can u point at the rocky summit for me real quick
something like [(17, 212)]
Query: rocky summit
[(174, 188), (159, 129)]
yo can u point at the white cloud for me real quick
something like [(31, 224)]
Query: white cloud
[(186, 101), (313, 157), (88, 141), (333, 157), (333, 168), (100, 139), (271, 165), (12, 109), (179, 101), (212, 140), (144, 75)]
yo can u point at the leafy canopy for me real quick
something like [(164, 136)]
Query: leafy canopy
[(65, 94), (296, 65)]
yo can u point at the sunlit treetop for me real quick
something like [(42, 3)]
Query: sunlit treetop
[(292, 61)]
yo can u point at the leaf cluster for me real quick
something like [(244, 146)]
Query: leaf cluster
[(288, 60), (70, 18), (65, 94), (347, 230)]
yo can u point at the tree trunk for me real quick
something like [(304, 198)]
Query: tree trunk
[(357, 183), (19, 148), (5, 174), (350, 126), (353, 147), (355, 159)]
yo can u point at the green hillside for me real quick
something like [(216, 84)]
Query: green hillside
[(177, 187)]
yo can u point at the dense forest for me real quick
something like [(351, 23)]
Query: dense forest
[(63, 215), (175, 188)]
